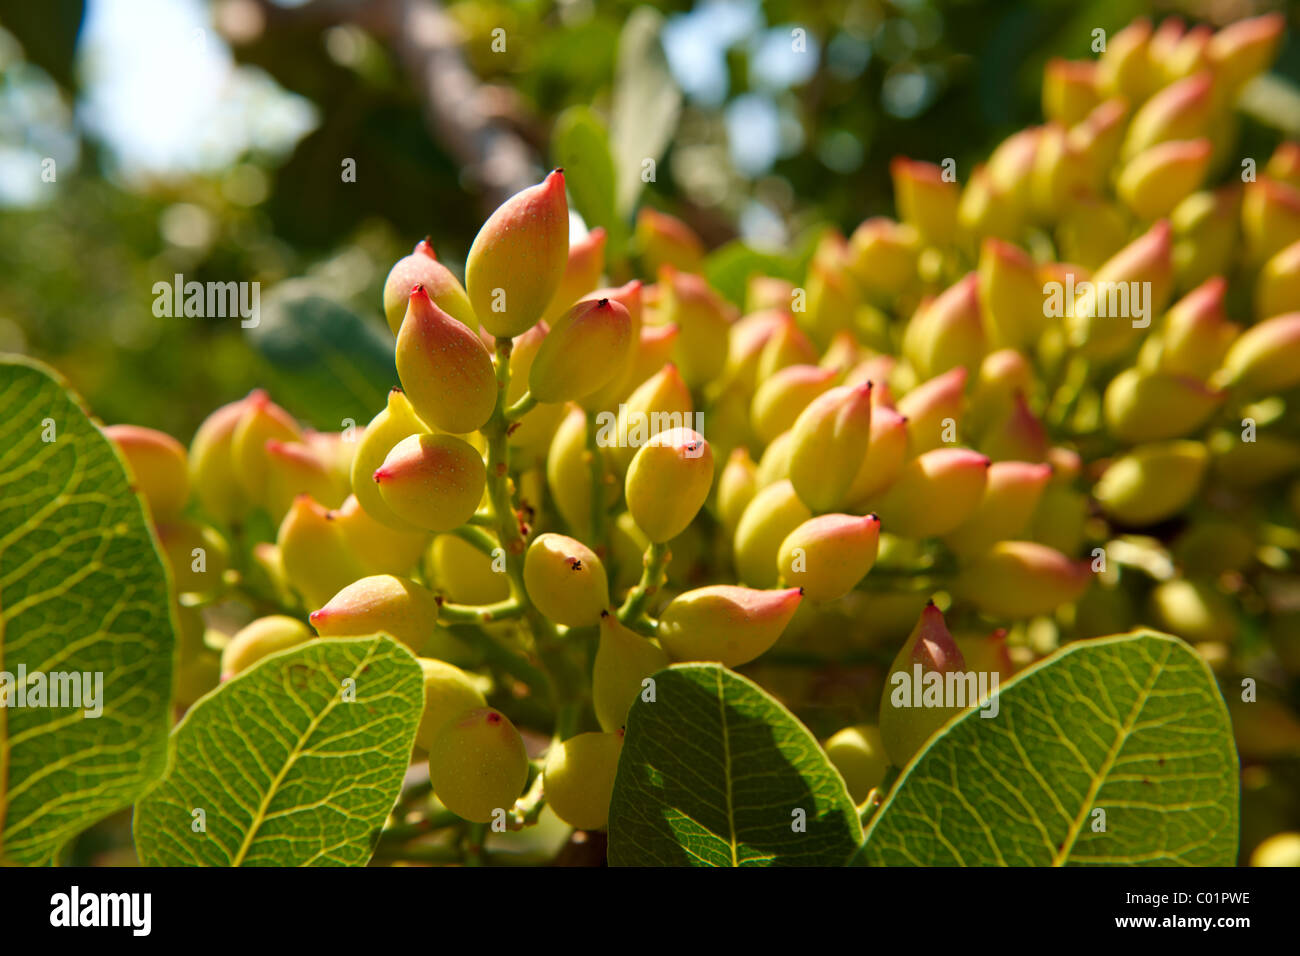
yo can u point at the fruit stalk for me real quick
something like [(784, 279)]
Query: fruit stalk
[(563, 677), (528, 808), (654, 564), (449, 613), (476, 536), (521, 408), (472, 850)]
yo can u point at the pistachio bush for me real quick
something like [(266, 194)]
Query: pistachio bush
[(971, 541)]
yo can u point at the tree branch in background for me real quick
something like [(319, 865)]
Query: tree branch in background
[(496, 158), (455, 104)]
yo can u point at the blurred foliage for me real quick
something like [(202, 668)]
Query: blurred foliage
[(922, 78)]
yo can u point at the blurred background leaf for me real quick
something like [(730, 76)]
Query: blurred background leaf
[(209, 138), (646, 104), (580, 145), (328, 366)]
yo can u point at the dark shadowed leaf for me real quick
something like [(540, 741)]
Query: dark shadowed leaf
[(715, 772), (326, 364), (647, 103)]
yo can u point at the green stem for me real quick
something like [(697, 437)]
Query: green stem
[(654, 566), (521, 408), (567, 720), (643, 625), (479, 538), (528, 808), (472, 844), (498, 475), (453, 614), (564, 679)]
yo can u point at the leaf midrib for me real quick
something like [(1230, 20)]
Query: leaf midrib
[(273, 789), (726, 766), (1103, 772), (1157, 665)]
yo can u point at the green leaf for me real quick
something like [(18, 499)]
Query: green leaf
[(325, 363), (647, 103), (83, 591), (1133, 725), (287, 771), (714, 772), (729, 267), (581, 147)]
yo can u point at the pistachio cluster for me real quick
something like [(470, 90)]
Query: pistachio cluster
[(1022, 402)]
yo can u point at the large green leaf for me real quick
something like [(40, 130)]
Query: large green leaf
[(715, 772), (1132, 725), (287, 770), (325, 363), (647, 103), (581, 147), (82, 590)]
